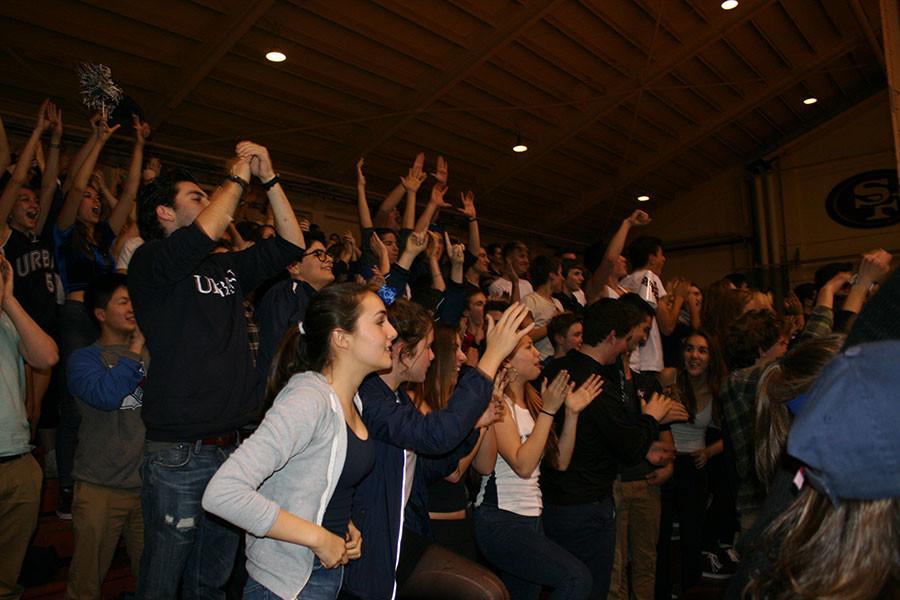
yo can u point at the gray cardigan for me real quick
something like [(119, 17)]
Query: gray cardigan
[(292, 462)]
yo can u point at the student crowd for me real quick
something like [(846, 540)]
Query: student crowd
[(262, 410)]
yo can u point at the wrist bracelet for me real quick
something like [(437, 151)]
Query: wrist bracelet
[(549, 414), (240, 181), (267, 185), (472, 219)]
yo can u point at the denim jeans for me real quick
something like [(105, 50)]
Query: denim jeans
[(182, 543), (588, 532), (323, 584), (527, 560)]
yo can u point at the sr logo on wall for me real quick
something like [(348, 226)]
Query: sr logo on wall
[(866, 201)]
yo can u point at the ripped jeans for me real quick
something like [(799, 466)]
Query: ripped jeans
[(183, 545)]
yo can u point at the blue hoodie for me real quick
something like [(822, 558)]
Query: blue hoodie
[(396, 426)]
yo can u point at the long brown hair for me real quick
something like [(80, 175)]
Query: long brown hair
[(442, 375), (333, 307), (722, 306), (534, 403), (848, 552), (781, 382), (715, 376)]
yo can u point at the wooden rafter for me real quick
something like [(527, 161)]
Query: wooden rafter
[(431, 91), (508, 168), (708, 129), (208, 56)]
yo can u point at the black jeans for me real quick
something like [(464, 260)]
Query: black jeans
[(588, 532), (685, 494)]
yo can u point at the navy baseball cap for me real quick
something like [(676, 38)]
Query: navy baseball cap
[(848, 430)]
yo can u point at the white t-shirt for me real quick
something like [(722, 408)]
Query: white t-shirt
[(127, 251), (649, 287), (504, 488), (542, 310), (502, 287)]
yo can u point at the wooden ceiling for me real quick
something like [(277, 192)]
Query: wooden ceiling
[(614, 98)]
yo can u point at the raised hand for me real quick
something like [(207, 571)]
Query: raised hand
[(468, 205), (95, 122), (262, 166), (141, 130), (240, 166), (415, 176), (492, 414), (455, 252), (578, 400), (378, 247), (43, 122), (638, 218), (360, 178), (435, 249), (417, 242), (441, 171), (437, 195), (54, 121), (875, 266), (104, 131), (554, 394), (504, 335)]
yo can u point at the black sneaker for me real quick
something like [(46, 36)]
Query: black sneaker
[(715, 568), (64, 507)]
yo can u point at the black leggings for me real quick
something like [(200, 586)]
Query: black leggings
[(685, 494)]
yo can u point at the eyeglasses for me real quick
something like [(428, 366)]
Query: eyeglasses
[(321, 255)]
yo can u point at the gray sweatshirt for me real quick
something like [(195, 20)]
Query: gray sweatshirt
[(292, 462)]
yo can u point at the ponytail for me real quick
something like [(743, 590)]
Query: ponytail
[(307, 345)]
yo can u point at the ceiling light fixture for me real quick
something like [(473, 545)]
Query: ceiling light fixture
[(520, 145), (276, 56), (643, 198), (810, 100), (729, 4)]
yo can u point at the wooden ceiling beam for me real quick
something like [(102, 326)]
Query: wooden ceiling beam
[(412, 104), (510, 166), (866, 26), (208, 55), (708, 129)]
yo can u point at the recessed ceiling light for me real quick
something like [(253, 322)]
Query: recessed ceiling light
[(810, 100), (520, 145), (729, 4), (276, 56), (643, 198)]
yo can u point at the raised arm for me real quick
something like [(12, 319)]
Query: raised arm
[(261, 166), (120, 213), (50, 177), (524, 457), (456, 253), (75, 164), (471, 215), (576, 401), (362, 204), (381, 253), (390, 202), (411, 183), (73, 198), (600, 276), (15, 183), (215, 218), (434, 203), (433, 252), (37, 348), (669, 306)]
